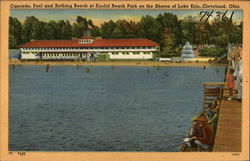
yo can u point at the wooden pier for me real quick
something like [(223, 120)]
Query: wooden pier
[(229, 128)]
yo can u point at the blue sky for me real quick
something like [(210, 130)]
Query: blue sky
[(100, 16)]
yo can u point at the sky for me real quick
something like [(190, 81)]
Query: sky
[(100, 16)]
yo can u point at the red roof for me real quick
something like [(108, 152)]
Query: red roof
[(95, 43)]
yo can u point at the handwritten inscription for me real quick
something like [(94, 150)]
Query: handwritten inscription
[(216, 15)]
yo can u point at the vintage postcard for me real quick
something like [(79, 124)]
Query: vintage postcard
[(124, 80)]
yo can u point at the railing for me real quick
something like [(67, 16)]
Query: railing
[(221, 57), (211, 92)]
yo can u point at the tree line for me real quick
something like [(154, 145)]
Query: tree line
[(166, 29)]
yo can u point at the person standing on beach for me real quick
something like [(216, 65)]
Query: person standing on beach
[(231, 84)]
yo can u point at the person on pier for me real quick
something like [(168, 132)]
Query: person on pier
[(231, 84), (194, 131), (238, 75), (207, 136), (212, 112)]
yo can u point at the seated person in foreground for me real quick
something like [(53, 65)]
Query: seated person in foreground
[(207, 136), (194, 131)]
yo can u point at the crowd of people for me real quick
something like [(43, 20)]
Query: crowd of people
[(235, 72), (204, 124)]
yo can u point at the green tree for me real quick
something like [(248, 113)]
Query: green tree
[(66, 30), (149, 28), (188, 31), (236, 34), (15, 31), (12, 41), (32, 29), (221, 33), (95, 31), (107, 29), (170, 21), (51, 29), (121, 28), (168, 41), (80, 27), (202, 33)]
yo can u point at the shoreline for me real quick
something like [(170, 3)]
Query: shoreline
[(115, 63)]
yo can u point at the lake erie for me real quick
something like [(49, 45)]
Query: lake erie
[(104, 109)]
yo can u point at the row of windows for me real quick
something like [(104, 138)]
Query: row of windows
[(148, 47), (85, 41), (66, 54), (77, 54), (127, 53), (30, 53)]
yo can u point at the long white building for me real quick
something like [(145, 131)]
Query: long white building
[(87, 48)]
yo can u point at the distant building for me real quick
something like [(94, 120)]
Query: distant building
[(187, 51), (88, 48)]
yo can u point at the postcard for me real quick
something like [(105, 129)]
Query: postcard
[(124, 80)]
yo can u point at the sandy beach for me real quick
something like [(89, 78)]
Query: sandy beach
[(114, 63)]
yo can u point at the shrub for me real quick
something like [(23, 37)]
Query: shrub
[(213, 52), (170, 52)]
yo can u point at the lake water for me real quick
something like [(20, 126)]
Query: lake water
[(14, 53), (124, 109)]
